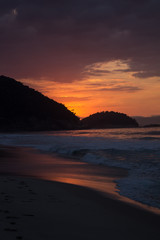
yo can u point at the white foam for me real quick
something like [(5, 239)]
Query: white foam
[(140, 156)]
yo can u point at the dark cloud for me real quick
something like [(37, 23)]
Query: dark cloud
[(58, 39), (97, 72), (79, 99), (120, 89)]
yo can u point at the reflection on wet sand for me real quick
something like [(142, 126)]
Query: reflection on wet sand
[(29, 162)]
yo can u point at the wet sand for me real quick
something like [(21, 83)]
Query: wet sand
[(31, 208)]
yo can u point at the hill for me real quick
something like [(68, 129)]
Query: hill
[(23, 108), (108, 120), (153, 120)]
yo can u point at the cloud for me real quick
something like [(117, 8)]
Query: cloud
[(58, 39), (121, 89), (97, 72), (106, 68), (74, 99), (118, 88)]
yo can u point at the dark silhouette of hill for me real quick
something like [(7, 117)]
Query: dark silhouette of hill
[(143, 121), (23, 108), (108, 120), (151, 125)]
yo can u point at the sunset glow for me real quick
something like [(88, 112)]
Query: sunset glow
[(80, 119), (89, 56), (107, 86)]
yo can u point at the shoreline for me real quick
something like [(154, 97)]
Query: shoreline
[(41, 165), (35, 209), (40, 209)]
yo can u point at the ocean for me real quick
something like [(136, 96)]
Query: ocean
[(135, 149)]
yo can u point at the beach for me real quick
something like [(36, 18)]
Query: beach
[(79, 120), (43, 206)]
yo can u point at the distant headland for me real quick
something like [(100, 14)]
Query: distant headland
[(25, 109), (108, 120)]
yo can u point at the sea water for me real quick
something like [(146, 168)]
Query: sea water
[(136, 149)]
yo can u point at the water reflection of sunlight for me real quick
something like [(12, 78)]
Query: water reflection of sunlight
[(101, 184)]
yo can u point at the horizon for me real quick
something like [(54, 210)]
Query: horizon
[(149, 116), (90, 56)]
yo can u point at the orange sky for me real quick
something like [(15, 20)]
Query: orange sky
[(89, 55), (107, 86)]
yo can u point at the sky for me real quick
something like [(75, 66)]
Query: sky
[(90, 55)]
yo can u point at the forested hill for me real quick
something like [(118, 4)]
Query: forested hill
[(23, 108), (108, 120)]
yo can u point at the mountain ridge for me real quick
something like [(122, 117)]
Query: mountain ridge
[(23, 108), (151, 120)]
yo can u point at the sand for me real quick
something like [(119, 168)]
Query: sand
[(35, 209)]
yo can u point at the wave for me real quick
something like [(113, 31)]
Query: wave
[(140, 156)]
